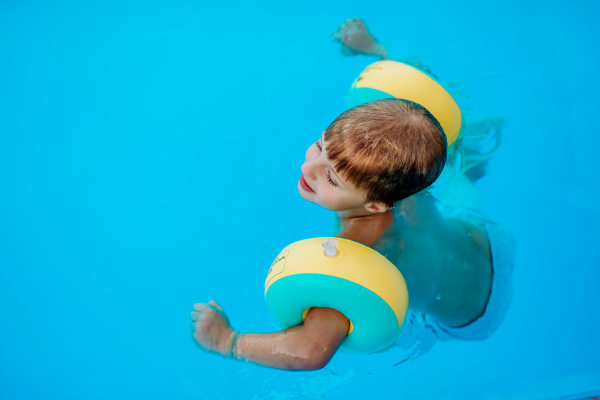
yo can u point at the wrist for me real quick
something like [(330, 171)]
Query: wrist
[(236, 346), (227, 343)]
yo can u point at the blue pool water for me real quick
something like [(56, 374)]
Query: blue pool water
[(149, 155)]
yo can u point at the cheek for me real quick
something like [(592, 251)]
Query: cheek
[(331, 202), (328, 194)]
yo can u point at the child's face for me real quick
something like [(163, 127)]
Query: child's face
[(322, 185)]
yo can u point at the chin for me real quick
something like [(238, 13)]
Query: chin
[(304, 194)]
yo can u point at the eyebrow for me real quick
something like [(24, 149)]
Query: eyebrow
[(331, 166)]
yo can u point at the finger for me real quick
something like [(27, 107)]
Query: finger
[(195, 315), (199, 306), (193, 326), (215, 304)]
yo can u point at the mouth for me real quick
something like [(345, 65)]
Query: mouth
[(305, 185)]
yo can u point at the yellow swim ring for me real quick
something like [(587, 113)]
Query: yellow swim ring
[(389, 79), (346, 276)]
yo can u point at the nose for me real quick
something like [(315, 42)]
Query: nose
[(309, 169)]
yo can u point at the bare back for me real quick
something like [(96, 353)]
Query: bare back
[(446, 262)]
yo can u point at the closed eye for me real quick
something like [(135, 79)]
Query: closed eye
[(326, 172), (329, 179)]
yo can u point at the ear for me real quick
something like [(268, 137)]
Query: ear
[(377, 207)]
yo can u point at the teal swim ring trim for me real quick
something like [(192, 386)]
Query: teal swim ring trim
[(358, 96), (373, 319)]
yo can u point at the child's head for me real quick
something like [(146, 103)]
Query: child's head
[(373, 156)]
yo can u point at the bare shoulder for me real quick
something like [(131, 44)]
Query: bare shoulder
[(466, 283), (477, 234)]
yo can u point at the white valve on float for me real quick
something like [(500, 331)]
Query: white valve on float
[(329, 246)]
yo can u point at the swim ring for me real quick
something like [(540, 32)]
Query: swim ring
[(393, 79), (346, 276)]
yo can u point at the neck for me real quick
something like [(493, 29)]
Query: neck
[(364, 228), (355, 213)]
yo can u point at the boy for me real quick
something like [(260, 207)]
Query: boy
[(365, 162)]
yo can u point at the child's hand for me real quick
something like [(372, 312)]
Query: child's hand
[(210, 328)]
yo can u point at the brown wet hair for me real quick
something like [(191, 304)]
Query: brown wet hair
[(390, 148)]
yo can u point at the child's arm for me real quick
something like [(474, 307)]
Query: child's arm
[(309, 346)]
